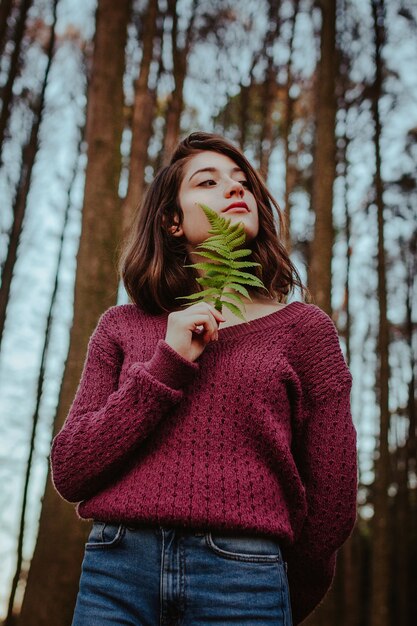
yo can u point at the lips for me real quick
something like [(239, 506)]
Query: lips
[(242, 205)]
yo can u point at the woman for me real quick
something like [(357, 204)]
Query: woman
[(216, 457)]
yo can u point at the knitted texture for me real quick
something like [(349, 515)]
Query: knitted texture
[(256, 435)]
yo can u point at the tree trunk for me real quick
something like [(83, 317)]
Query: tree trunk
[(320, 275), (290, 171), (55, 569), (380, 577), (267, 135), (401, 530), (270, 89), (7, 91), (18, 576), (351, 572), (406, 464), (143, 112), (19, 208), (5, 11), (245, 95), (244, 100), (176, 99), (411, 443), (350, 550)]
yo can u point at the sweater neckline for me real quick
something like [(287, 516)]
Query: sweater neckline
[(260, 323)]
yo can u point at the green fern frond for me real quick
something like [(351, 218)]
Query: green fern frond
[(237, 254), (236, 264), (234, 309), (223, 273), (232, 296), (240, 288)]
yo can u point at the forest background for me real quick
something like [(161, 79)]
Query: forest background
[(322, 97)]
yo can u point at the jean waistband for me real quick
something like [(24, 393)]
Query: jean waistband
[(195, 532)]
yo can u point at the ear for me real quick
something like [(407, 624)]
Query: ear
[(176, 230)]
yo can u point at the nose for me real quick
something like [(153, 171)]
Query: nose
[(234, 188)]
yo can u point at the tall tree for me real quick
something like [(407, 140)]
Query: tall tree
[(143, 112), (380, 578), (180, 56), (320, 263), (28, 160), (5, 11), (55, 569), (19, 570), (7, 90), (270, 89), (320, 276), (290, 172), (350, 561), (246, 94), (403, 525)]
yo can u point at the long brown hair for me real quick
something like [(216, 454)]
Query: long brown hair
[(151, 262)]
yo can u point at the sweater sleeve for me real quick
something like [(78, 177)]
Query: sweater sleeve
[(324, 449), (107, 422)]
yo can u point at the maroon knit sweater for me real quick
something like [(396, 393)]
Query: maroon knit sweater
[(255, 435)]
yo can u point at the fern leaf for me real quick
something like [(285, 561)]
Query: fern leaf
[(221, 250), (237, 254), (209, 255), (236, 239), (224, 272), (234, 296), (255, 282), (245, 275), (234, 309), (236, 264), (240, 288), (200, 294), (202, 266)]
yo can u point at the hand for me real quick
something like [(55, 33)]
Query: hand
[(190, 330)]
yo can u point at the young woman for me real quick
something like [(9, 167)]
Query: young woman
[(216, 457)]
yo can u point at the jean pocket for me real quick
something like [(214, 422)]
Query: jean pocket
[(250, 548), (105, 535)]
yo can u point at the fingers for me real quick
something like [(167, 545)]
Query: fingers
[(209, 319), (204, 324), (208, 308)]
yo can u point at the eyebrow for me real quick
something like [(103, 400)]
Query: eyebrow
[(214, 169)]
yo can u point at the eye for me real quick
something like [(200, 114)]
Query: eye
[(204, 182)]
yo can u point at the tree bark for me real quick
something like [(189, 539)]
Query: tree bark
[(401, 530), (267, 133), (319, 270), (350, 551), (5, 11), (270, 89), (55, 569), (19, 207), (244, 111), (405, 527), (143, 112), (320, 275), (290, 171), (380, 577), (7, 91), (18, 576), (176, 98)]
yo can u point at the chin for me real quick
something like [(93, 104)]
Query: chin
[(250, 236)]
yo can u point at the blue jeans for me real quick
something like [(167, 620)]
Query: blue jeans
[(160, 576)]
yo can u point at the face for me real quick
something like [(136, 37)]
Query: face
[(214, 179)]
